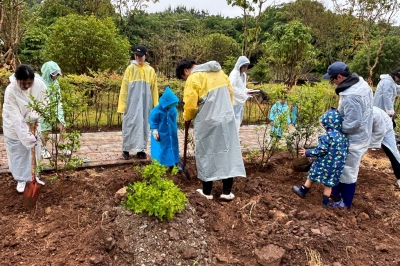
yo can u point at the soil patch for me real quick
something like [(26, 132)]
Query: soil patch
[(79, 221)]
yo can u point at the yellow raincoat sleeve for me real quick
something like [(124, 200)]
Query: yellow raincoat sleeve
[(123, 94), (190, 98), (230, 89), (154, 89)]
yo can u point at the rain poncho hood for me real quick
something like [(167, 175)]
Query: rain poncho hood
[(138, 95), (331, 152), (331, 120), (238, 81), (53, 93), (385, 94), (163, 118), (208, 101), (47, 69)]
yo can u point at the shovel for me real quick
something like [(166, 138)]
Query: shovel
[(32, 188), (184, 170)]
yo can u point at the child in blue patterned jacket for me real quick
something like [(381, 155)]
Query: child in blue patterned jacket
[(330, 156)]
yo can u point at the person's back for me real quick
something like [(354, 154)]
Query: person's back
[(383, 136), (163, 123), (279, 117), (334, 146), (208, 102), (386, 91)]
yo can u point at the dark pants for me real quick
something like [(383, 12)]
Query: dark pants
[(226, 186), (393, 161)]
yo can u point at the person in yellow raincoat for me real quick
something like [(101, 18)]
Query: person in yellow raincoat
[(208, 99), (138, 95)]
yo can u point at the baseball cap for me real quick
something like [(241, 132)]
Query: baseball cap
[(335, 69), (396, 72), (140, 50), (56, 73)]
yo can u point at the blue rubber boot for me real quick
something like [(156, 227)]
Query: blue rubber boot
[(348, 191), (300, 191), (325, 201), (336, 192)]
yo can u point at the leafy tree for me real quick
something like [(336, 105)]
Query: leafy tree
[(374, 18), (290, 51), (30, 50), (83, 43), (388, 59), (13, 23), (218, 47)]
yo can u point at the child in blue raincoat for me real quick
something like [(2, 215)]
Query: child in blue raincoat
[(330, 156), (279, 115), (163, 123)]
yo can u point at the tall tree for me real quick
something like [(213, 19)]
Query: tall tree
[(84, 43), (12, 28), (251, 36), (375, 18), (290, 51)]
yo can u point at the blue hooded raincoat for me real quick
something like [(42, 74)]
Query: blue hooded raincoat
[(331, 151), (163, 118)]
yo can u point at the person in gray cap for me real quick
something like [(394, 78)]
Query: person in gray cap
[(355, 106), (138, 95), (386, 92)]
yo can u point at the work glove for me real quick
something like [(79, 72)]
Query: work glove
[(31, 117), (156, 135)]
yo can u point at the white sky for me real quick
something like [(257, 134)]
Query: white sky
[(214, 7)]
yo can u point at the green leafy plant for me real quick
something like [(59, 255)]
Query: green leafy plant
[(63, 144), (155, 195)]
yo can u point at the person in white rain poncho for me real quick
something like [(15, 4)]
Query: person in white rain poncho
[(16, 116), (138, 95), (383, 136), (355, 106), (386, 92), (208, 101), (50, 73), (238, 79)]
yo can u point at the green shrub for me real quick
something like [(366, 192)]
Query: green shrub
[(155, 195)]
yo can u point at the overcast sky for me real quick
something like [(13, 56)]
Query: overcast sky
[(214, 7)]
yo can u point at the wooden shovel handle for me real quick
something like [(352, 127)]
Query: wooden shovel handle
[(32, 129)]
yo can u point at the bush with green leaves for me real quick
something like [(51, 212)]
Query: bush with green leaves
[(61, 142), (155, 195), (311, 102)]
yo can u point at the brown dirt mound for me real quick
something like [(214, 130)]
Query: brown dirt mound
[(78, 222)]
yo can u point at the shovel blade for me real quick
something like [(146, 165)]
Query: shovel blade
[(31, 194)]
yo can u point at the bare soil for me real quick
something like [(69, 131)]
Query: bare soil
[(79, 221)]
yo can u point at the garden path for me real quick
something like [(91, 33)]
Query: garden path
[(104, 148)]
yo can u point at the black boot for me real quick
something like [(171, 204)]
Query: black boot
[(300, 191), (325, 201)]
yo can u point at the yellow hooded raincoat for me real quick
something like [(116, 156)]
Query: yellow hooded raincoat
[(208, 101)]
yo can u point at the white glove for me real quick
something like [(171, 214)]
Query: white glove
[(156, 135), (29, 141), (31, 117)]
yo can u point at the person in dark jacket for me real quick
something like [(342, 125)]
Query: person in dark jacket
[(163, 124), (330, 155)]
